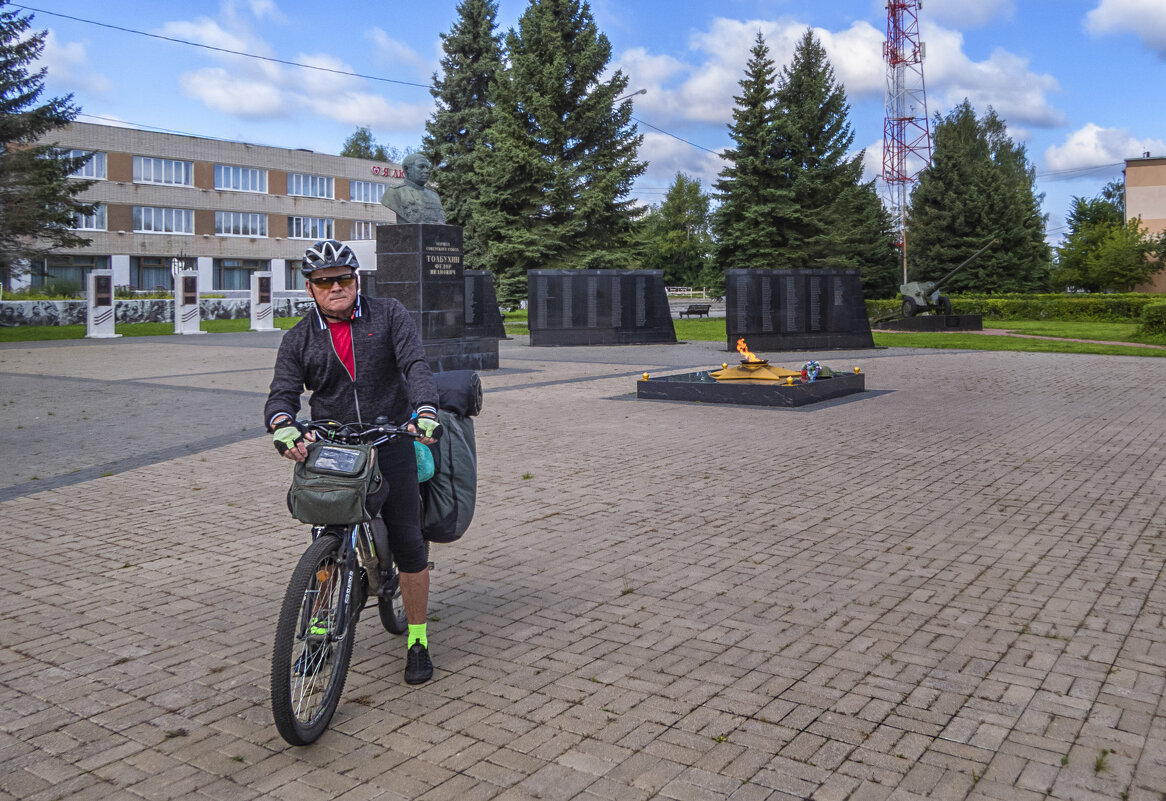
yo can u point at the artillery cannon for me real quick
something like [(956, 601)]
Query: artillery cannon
[(923, 296)]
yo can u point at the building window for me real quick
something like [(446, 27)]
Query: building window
[(150, 220), (163, 171), (94, 168), (366, 191), (309, 228), (91, 222), (236, 273), (74, 269), (309, 185), (294, 279), (240, 179), (240, 223), (363, 229), (155, 272)]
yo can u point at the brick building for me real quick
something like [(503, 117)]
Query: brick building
[(224, 208), (1145, 185)]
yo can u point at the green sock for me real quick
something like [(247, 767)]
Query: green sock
[(417, 634)]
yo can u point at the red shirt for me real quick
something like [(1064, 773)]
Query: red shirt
[(341, 332)]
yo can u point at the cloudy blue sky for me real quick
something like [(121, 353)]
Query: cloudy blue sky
[(1079, 82)]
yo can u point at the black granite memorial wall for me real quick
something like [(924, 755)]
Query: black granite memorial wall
[(598, 307), (796, 310), (483, 317), (421, 266)]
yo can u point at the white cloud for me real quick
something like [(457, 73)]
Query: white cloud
[(1094, 146), (964, 14), (1003, 81), (231, 93), (394, 51), (1144, 18), (68, 64), (206, 31), (702, 89), (667, 156)]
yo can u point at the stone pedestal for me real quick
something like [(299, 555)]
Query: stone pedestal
[(187, 315), (935, 322), (262, 312), (421, 266), (780, 310), (598, 307), (99, 317)]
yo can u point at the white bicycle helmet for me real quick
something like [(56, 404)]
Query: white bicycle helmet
[(328, 253)]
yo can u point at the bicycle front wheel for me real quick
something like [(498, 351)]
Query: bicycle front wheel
[(309, 662)]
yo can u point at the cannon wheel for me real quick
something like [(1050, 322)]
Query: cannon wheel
[(945, 304), (909, 307)]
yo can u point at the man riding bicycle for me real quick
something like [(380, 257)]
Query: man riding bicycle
[(361, 358)]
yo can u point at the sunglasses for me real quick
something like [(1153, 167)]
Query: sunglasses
[(345, 281)]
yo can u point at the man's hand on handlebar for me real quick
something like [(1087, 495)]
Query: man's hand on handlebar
[(290, 440), (428, 427)]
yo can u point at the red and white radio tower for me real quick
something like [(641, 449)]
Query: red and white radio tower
[(906, 138)]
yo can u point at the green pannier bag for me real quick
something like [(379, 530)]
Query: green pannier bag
[(332, 486)]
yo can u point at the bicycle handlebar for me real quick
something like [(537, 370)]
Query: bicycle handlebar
[(353, 433)]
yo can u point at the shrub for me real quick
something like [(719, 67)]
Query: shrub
[(1153, 319)]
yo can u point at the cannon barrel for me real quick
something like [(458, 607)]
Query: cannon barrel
[(962, 264)]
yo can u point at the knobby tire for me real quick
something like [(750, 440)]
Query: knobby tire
[(303, 705)]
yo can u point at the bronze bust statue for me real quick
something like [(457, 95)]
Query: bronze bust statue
[(412, 201)]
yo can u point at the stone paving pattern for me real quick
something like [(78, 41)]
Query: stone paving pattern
[(950, 587)]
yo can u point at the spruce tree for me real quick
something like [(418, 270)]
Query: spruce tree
[(38, 200), (813, 134), (456, 135), (754, 187), (980, 186), (553, 192)]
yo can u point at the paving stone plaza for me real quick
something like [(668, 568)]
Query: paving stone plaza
[(948, 587)]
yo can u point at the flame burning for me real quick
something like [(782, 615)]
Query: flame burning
[(744, 351)]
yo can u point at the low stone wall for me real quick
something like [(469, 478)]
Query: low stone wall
[(72, 312)]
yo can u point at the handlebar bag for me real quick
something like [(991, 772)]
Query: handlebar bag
[(332, 486)]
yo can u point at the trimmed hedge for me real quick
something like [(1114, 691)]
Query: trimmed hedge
[(1085, 308), (1153, 319)]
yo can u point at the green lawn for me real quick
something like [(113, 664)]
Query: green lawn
[(38, 333), (713, 330)]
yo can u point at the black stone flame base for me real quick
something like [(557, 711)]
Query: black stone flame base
[(702, 387)]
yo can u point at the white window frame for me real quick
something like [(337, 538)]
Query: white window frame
[(91, 222), (240, 223), (157, 220), (301, 184), (240, 179), (94, 169), (315, 228), (366, 191), (168, 172), (364, 229)]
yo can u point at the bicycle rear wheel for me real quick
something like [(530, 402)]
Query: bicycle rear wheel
[(309, 661), (392, 607)]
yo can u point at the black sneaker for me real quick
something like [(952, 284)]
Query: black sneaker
[(418, 665)]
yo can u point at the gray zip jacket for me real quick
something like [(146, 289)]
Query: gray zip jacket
[(392, 376)]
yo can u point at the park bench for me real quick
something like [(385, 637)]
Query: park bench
[(695, 310)]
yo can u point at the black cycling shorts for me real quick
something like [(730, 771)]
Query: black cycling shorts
[(402, 508)]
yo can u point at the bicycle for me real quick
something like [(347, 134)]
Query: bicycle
[(325, 596)]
